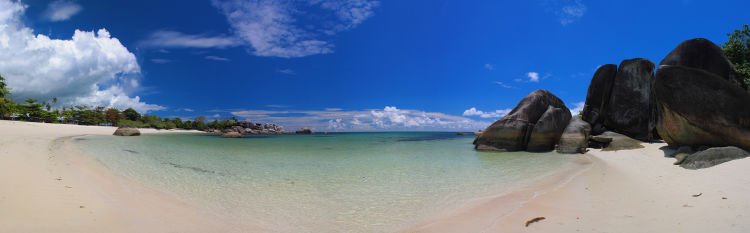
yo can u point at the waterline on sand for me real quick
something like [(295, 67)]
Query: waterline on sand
[(357, 182)]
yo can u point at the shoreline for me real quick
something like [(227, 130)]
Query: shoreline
[(622, 191), (481, 214), (48, 185)]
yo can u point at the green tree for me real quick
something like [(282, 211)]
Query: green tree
[(131, 114), (4, 92), (737, 49), (112, 115), (5, 104), (32, 111), (153, 122)]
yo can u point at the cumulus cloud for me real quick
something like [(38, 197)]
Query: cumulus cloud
[(533, 76), (61, 10), (91, 68), (493, 114), (388, 118), (173, 39)]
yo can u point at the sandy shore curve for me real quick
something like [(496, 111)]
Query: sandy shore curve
[(48, 185)]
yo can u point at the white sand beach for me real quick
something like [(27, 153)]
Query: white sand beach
[(624, 191), (46, 185)]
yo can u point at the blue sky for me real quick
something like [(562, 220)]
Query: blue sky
[(337, 64)]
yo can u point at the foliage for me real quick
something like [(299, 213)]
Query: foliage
[(33, 110), (737, 49), (4, 92), (131, 114), (129, 123)]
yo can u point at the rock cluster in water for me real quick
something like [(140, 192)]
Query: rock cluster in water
[(250, 128), (696, 99)]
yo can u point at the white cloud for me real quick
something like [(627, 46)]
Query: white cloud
[(160, 61), (287, 72), (217, 58), (494, 114), (567, 11), (283, 29), (388, 118), (90, 68), (503, 85), (188, 109), (489, 66), (61, 10), (173, 39), (115, 97), (276, 106), (577, 108), (533, 76)]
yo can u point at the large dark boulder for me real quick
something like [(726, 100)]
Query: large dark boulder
[(547, 130), (127, 131), (597, 97), (704, 55), (631, 108), (514, 131), (712, 157), (698, 108), (575, 137)]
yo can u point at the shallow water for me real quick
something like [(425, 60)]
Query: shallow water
[(344, 182)]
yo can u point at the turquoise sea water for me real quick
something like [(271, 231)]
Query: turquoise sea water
[(344, 182)]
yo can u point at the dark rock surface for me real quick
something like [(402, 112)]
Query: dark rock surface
[(713, 156), (703, 54), (548, 129), (575, 137), (127, 131), (631, 108), (514, 131), (700, 108), (304, 131), (597, 97), (620, 142)]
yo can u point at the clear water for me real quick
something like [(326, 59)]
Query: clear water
[(347, 182)]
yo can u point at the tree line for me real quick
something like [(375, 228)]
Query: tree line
[(35, 111)]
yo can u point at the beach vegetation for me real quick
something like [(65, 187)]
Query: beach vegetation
[(50, 112), (131, 114), (737, 50)]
